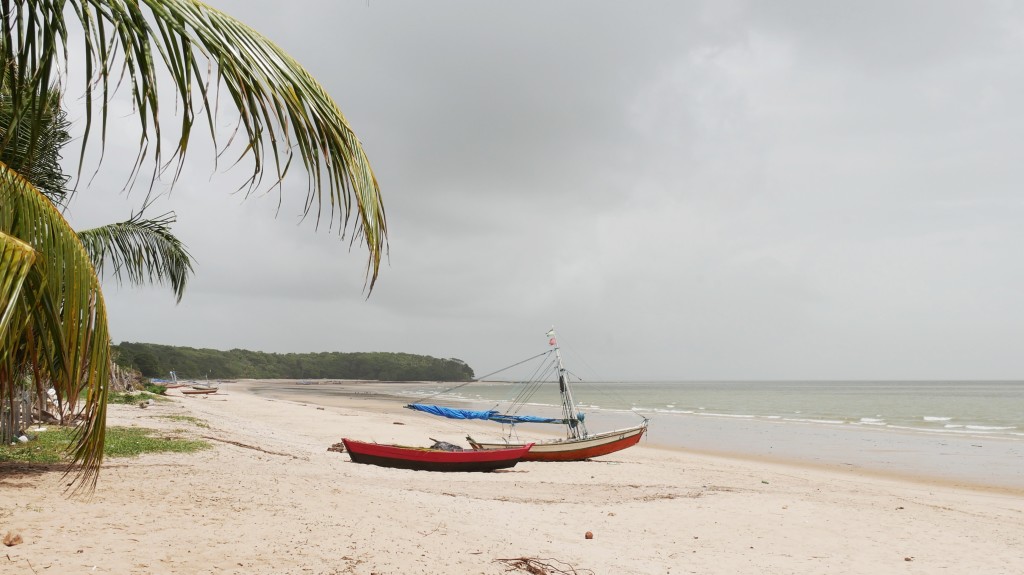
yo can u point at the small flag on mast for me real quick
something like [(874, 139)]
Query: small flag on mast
[(551, 334)]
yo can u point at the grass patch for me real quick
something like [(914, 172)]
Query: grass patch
[(132, 441), (133, 397), (187, 419), (51, 445)]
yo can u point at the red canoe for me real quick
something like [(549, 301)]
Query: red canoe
[(427, 459)]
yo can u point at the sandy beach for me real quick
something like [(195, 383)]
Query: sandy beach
[(270, 498)]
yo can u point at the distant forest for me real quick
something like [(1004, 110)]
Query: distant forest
[(155, 360)]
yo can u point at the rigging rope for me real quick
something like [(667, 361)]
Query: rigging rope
[(592, 388), (531, 385), (511, 366), (478, 379)]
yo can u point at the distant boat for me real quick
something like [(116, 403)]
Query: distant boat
[(430, 459), (172, 383), (578, 444), (199, 391)]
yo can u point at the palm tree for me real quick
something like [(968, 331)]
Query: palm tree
[(56, 322), (144, 249)]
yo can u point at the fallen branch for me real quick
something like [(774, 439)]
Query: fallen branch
[(238, 444), (537, 566)]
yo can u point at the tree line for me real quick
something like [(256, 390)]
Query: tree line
[(155, 360)]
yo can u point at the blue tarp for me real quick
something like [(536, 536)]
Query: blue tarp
[(491, 415)]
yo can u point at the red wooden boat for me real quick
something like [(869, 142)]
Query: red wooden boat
[(429, 459)]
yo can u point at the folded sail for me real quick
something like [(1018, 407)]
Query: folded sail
[(490, 415)]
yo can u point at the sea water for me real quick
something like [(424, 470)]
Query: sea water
[(971, 431), (982, 408)]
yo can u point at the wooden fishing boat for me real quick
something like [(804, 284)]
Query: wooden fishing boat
[(429, 459), (578, 444), (574, 449), (199, 391)]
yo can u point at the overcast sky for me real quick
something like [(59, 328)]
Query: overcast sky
[(685, 190)]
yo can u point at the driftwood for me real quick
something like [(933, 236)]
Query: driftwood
[(247, 446), (537, 566)]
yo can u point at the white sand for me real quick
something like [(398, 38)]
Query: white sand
[(297, 508)]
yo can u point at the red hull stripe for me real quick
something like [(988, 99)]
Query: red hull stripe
[(584, 453)]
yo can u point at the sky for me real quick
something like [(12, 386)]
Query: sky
[(688, 190)]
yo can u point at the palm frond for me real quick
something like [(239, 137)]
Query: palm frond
[(16, 258), (282, 109), (144, 250), (64, 316), (34, 150)]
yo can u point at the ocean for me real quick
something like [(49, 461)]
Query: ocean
[(964, 431)]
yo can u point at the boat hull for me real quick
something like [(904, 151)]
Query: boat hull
[(575, 449), (424, 459), (199, 391)]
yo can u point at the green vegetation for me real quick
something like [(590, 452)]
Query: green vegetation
[(155, 360), (187, 419), (51, 446), (133, 441), (155, 389), (131, 398)]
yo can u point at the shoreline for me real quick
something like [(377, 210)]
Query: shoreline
[(959, 460), (376, 405), (268, 498)]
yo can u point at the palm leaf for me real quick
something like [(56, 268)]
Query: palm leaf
[(142, 249), (65, 335), (282, 109), (16, 258), (34, 151)]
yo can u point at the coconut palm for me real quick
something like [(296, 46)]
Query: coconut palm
[(144, 249), (57, 323)]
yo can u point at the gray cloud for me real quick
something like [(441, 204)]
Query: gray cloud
[(686, 190)]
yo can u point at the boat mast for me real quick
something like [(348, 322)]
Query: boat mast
[(574, 424)]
